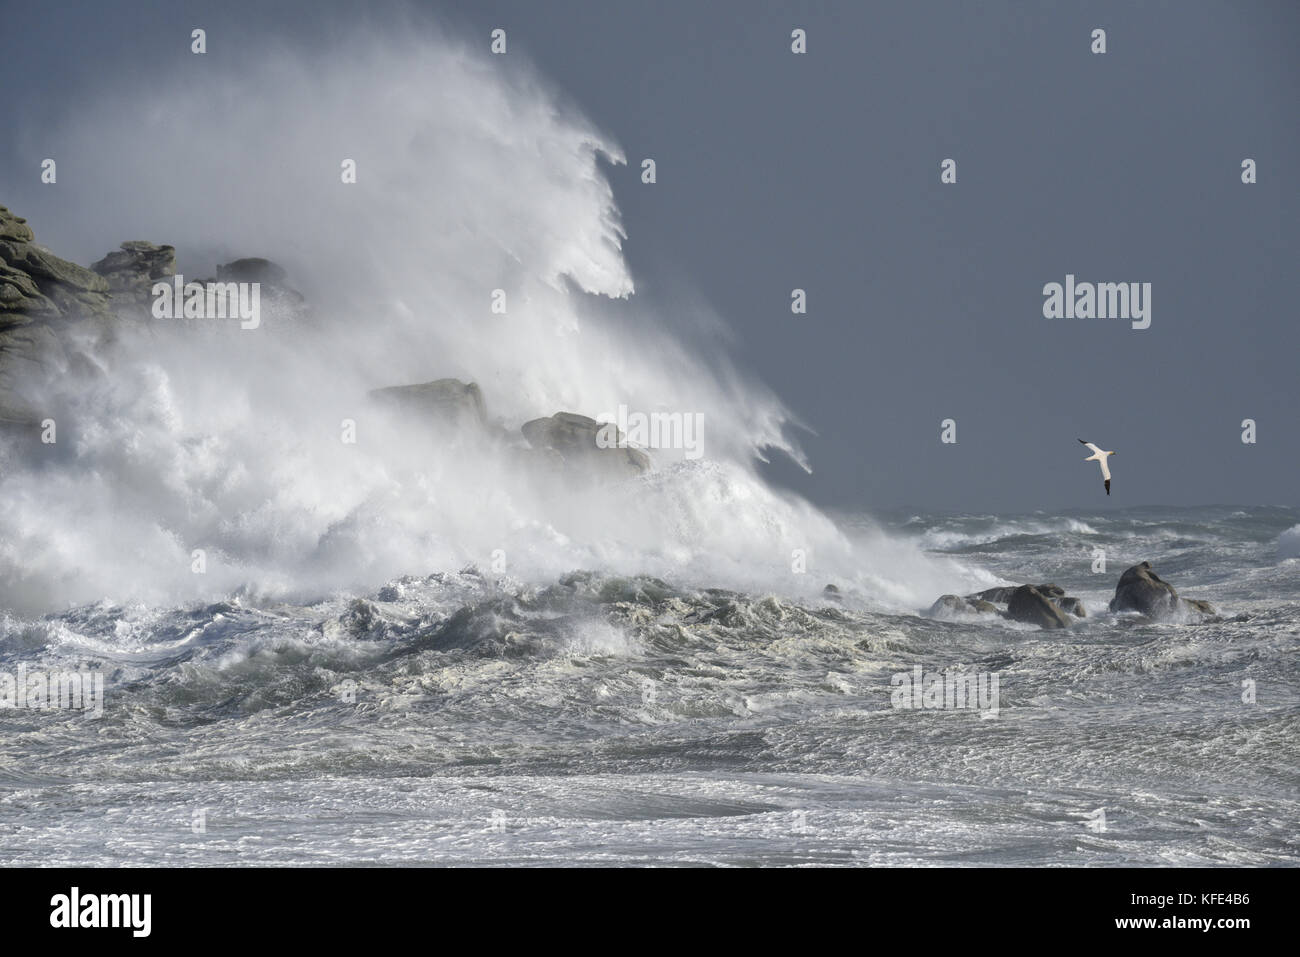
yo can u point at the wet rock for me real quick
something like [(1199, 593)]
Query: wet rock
[(948, 604), (1034, 607), (1140, 589), (575, 438), (1071, 606)]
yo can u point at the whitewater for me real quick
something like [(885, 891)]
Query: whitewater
[(407, 651)]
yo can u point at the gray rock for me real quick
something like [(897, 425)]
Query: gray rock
[(252, 269), (948, 604), (1071, 606), (442, 402), (41, 264), (1141, 589), (14, 227), (1001, 596), (954, 604), (574, 437), (132, 270), (1033, 607)]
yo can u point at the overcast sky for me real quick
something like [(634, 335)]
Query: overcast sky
[(822, 171)]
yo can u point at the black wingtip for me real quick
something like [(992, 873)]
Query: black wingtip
[(1107, 486), (1081, 442)]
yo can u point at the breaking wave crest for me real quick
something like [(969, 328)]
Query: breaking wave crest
[(472, 177)]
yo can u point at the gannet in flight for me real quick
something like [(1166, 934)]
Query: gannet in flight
[(1100, 456)]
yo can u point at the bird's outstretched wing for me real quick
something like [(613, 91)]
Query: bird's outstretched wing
[(1095, 450)]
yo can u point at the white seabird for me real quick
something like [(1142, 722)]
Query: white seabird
[(1100, 456)]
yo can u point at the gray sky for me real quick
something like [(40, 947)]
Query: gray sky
[(821, 171)]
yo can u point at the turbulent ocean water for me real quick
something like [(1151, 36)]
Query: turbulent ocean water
[(468, 718), (328, 634)]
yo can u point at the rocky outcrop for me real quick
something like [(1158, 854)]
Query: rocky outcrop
[(36, 285), (1030, 605), (1046, 605), (442, 402), (56, 317), (42, 299), (1053, 593), (574, 438), (1140, 589), (132, 269)]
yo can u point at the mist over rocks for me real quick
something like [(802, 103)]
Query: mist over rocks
[(59, 320), (561, 447), (43, 301), (132, 269), (47, 304), (448, 403), (573, 438)]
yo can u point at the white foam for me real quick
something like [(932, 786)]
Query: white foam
[(1288, 543)]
